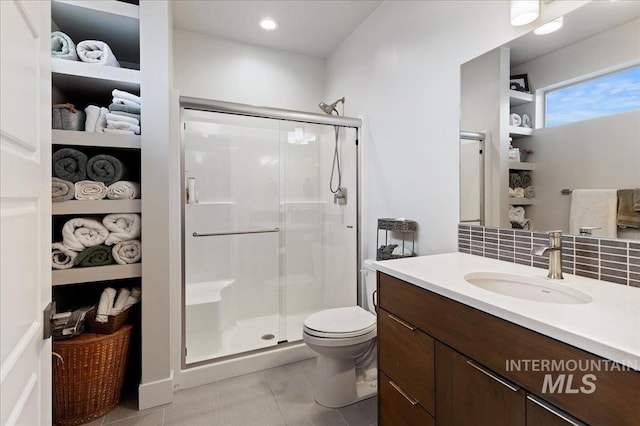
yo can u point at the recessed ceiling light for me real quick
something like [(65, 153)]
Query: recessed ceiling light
[(268, 24), (550, 27)]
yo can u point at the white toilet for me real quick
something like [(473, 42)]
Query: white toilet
[(345, 340)]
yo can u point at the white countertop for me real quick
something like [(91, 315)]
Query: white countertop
[(609, 326)]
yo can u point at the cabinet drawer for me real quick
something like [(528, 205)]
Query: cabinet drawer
[(397, 408), (406, 355)]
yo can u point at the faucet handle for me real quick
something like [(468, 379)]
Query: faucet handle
[(588, 230), (555, 238)]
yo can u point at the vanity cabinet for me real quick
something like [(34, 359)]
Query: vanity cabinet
[(483, 368)]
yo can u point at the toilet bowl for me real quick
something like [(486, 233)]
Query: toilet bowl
[(344, 339)]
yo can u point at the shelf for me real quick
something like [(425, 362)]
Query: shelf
[(96, 207), (520, 131), (96, 273), (92, 79), (103, 140), (114, 22), (521, 201), (519, 165), (518, 98)]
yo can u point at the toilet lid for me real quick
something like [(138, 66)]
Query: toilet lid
[(340, 322)]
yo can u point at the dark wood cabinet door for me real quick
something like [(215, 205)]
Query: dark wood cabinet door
[(541, 413), (397, 408), (469, 394)]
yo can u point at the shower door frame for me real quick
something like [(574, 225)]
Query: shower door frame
[(209, 105)]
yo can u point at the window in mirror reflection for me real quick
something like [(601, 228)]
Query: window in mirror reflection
[(607, 94)]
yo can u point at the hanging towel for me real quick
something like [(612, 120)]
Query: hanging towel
[(121, 125), (121, 94), (514, 180), (80, 233), (105, 168), (122, 118), (123, 227), (106, 303), (126, 252), (69, 164), (132, 109), (96, 52), (61, 257), (594, 207), (61, 190), (90, 190), (123, 190), (636, 199), (627, 216), (62, 46), (99, 255)]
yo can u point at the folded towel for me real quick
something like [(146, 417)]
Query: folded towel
[(121, 125), (61, 190), (80, 233), (101, 124), (133, 298), (514, 180), (120, 132), (61, 257), (99, 255), (516, 215), (594, 207), (69, 164), (96, 52), (399, 251), (122, 118), (105, 168), (106, 303), (90, 190), (127, 114), (67, 117), (627, 216), (126, 252), (518, 192), (529, 192), (525, 179), (123, 227), (123, 190), (526, 225), (132, 109), (92, 112), (121, 94), (127, 102), (62, 46), (636, 199), (118, 305)]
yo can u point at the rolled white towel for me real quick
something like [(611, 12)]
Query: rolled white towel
[(92, 113), (61, 256), (121, 300), (61, 190), (518, 192), (126, 252), (123, 190), (516, 214), (124, 118), (101, 124), (96, 52), (80, 233), (121, 94), (122, 125), (123, 227), (90, 190), (512, 193), (106, 304)]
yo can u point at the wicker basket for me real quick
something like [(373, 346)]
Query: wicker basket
[(88, 375), (113, 324)]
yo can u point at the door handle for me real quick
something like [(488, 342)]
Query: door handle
[(494, 376)]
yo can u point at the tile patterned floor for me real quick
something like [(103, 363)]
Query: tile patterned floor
[(278, 396)]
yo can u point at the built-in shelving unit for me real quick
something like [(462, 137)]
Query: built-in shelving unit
[(96, 207), (519, 98), (68, 137), (520, 131), (521, 166), (92, 79), (95, 273), (521, 201)]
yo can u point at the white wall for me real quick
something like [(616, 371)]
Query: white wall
[(400, 69), (214, 68)]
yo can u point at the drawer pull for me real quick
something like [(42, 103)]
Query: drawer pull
[(399, 321), (494, 376), (553, 410), (408, 397)]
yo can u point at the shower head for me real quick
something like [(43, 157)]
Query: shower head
[(328, 109)]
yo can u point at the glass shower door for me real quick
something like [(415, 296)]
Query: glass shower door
[(232, 234)]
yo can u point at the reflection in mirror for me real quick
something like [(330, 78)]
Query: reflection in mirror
[(559, 155)]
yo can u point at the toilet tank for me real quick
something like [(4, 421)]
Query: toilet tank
[(370, 282)]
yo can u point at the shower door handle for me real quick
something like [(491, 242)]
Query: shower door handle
[(216, 234)]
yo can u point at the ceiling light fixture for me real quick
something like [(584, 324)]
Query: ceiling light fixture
[(268, 24), (550, 27), (524, 12)]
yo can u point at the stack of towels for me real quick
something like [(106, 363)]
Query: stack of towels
[(111, 305), (122, 116), (71, 168), (520, 185), (90, 242), (90, 51), (517, 219)]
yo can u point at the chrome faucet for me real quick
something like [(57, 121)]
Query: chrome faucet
[(554, 250)]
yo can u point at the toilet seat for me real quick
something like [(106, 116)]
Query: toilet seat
[(340, 323)]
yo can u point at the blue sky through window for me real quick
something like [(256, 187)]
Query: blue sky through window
[(605, 95)]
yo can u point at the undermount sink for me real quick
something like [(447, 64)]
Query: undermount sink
[(529, 288)]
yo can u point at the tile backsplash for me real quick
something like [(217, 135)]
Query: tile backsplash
[(613, 260)]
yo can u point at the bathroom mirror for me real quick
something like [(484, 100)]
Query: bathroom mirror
[(597, 40)]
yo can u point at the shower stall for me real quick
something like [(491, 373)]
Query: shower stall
[(265, 241)]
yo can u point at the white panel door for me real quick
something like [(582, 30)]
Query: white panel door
[(25, 208)]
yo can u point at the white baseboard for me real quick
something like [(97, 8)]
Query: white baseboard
[(155, 393)]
